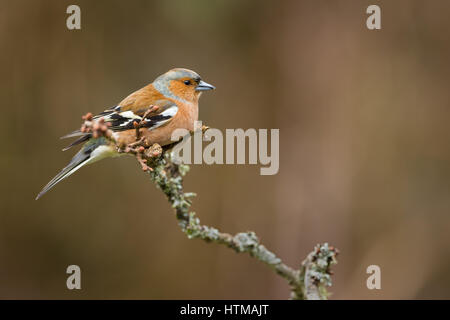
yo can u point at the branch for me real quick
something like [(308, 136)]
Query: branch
[(309, 282)]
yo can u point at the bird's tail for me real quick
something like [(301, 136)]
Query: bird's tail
[(92, 151)]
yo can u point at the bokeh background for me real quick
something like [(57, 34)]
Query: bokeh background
[(364, 142)]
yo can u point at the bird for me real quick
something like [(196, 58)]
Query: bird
[(170, 102)]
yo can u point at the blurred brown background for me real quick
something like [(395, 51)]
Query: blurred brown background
[(364, 143)]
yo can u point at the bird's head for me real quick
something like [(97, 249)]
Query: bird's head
[(181, 84)]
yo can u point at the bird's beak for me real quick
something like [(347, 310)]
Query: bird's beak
[(203, 86)]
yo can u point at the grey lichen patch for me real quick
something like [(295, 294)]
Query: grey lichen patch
[(246, 241), (316, 273), (267, 256), (184, 169)]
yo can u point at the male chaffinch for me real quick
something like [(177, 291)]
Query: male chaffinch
[(168, 103)]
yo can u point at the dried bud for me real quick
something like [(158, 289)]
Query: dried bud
[(154, 151), (87, 116)]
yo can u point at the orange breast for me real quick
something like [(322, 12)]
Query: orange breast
[(184, 119)]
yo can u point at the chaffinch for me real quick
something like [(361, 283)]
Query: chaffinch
[(168, 103)]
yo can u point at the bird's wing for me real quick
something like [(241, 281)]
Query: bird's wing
[(150, 116), (123, 118)]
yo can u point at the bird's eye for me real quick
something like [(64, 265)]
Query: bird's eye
[(187, 82)]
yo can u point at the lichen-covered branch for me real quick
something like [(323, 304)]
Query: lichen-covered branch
[(308, 282), (315, 273)]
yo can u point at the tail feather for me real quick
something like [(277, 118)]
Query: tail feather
[(82, 139), (93, 150), (75, 133)]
